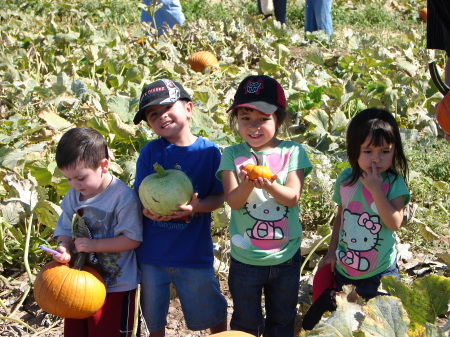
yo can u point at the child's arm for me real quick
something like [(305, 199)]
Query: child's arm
[(390, 211), (236, 194), (116, 244), (287, 195), (330, 256)]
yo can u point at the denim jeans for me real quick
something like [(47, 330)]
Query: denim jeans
[(368, 287), (169, 14), (279, 9), (280, 284), (318, 16)]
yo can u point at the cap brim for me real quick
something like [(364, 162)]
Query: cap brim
[(264, 107), (323, 280)]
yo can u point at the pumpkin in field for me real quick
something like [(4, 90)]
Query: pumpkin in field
[(232, 333), (423, 14), (201, 60), (257, 171), (69, 292), (163, 191), (443, 113)]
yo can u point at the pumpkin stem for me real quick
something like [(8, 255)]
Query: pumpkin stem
[(161, 173), (440, 85), (256, 157), (79, 261)]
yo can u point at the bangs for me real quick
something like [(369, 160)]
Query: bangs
[(381, 133)]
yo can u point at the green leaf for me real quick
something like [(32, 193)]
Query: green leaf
[(385, 316), (47, 213), (428, 297)]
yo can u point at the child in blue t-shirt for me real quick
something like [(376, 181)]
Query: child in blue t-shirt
[(178, 248), (265, 229)]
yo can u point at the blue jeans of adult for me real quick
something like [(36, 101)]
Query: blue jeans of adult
[(368, 287), (170, 14), (318, 16), (280, 284), (279, 7)]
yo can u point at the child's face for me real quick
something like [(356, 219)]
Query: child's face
[(377, 158), (170, 120), (257, 129), (87, 181)]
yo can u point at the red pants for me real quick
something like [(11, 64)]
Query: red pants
[(115, 318)]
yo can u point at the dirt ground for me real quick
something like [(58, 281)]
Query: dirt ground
[(30, 320)]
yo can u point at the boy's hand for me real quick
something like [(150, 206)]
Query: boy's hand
[(184, 212), (85, 245), (63, 256)]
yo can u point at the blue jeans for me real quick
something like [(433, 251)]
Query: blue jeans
[(279, 7), (203, 304), (368, 287), (169, 14), (280, 284), (318, 16)]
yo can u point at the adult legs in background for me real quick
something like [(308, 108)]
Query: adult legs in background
[(279, 9), (170, 14), (318, 16)]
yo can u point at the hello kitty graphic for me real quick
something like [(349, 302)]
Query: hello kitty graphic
[(361, 238)]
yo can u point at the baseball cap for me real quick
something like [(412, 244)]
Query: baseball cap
[(323, 279), (160, 92), (259, 92)]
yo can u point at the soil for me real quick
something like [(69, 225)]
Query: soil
[(29, 320)]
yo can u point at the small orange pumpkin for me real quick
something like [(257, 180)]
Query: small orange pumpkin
[(256, 171), (201, 60), (443, 113), (423, 14), (69, 292)]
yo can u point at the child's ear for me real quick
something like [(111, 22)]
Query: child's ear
[(104, 164), (148, 124), (189, 108)]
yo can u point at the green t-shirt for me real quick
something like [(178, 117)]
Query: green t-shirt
[(265, 232), (366, 246)]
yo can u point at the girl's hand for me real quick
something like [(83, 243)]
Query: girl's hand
[(329, 258), (371, 179), (258, 183), (85, 245), (63, 256)]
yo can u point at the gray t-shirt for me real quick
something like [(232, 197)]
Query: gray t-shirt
[(116, 211)]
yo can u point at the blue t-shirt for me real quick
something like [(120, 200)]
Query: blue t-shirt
[(366, 246), (265, 232), (180, 243)]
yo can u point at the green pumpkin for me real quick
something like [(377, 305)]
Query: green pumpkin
[(163, 191)]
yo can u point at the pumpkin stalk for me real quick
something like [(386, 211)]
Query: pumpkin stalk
[(437, 80), (79, 261), (159, 170)]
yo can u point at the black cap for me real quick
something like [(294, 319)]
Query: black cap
[(259, 92), (160, 92)]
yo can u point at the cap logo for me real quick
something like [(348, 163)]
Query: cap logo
[(174, 92), (254, 87)]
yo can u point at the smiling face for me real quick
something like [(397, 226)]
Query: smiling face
[(380, 156), (170, 121), (89, 182), (257, 129)]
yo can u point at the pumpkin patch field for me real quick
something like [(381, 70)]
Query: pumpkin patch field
[(84, 63)]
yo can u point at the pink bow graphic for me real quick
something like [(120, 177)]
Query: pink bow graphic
[(364, 220)]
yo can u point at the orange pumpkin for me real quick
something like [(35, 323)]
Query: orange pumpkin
[(423, 14), (201, 60), (256, 171), (443, 113), (232, 333), (69, 292)]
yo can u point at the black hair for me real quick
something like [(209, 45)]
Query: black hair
[(380, 126), (280, 113), (81, 145)]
